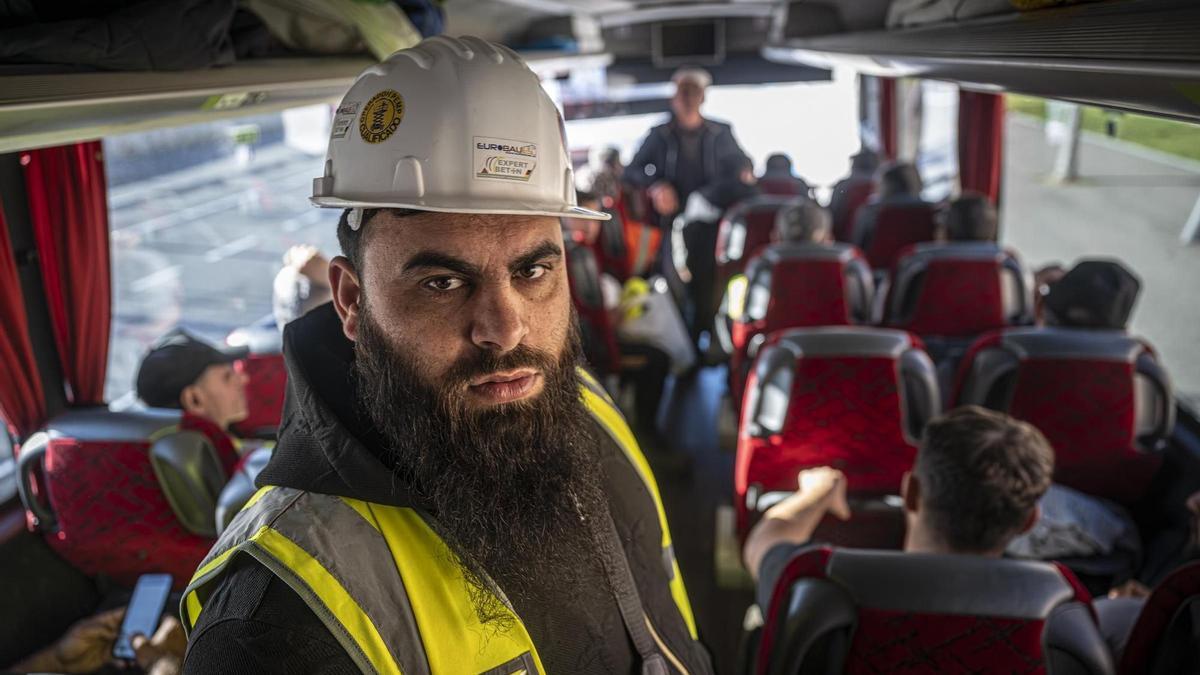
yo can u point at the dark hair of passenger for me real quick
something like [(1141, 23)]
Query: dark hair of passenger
[(971, 217), (981, 474), (804, 222), (897, 178), (1094, 294), (779, 163), (864, 161)]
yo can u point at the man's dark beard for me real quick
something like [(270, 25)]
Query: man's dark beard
[(508, 485)]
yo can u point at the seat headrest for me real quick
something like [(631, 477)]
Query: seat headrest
[(949, 584), (101, 424), (191, 476)]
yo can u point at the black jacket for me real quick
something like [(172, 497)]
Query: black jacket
[(253, 623), (658, 158)]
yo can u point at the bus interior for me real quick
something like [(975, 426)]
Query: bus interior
[(144, 191)]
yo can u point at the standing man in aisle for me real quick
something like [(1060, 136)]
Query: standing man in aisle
[(685, 153)]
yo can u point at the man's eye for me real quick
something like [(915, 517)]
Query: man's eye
[(533, 272), (443, 284)]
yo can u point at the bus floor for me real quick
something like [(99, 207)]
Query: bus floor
[(692, 497)]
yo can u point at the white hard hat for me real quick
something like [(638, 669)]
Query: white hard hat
[(453, 125)]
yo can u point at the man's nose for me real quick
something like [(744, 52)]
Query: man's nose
[(498, 323)]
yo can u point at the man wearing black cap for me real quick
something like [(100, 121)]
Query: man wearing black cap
[(185, 372)]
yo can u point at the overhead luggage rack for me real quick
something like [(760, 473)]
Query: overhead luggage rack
[(1141, 56), (39, 110)]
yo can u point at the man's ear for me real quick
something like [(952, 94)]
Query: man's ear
[(1034, 515), (191, 401), (347, 294), (910, 492)]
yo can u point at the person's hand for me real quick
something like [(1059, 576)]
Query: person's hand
[(307, 260), (87, 646), (664, 198), (1130, 589), (163, 653), (825, 485)]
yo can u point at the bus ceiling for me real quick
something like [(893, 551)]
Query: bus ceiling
[(1138, 55)]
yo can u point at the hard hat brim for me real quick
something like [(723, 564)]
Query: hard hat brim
[(473, 206)]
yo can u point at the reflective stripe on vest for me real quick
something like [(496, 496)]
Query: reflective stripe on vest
[(606, 412), (384, 583)]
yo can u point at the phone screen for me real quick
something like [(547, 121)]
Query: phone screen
[(143, 613)]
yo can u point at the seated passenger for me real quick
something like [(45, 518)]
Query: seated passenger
[(851, 192), (897, 184), (301, 285), (778, 178), (974, 486), (803, 223), (184, 372), (1096, 294), (971, 217)]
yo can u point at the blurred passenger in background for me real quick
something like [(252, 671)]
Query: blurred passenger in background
[(779, 179), (970, 217), (897, 184), (301, 285), (849, 192), (684, 154)]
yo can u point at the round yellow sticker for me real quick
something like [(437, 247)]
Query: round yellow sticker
[(381, 116)]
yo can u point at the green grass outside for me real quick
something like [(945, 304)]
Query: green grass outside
[(1176, 138)]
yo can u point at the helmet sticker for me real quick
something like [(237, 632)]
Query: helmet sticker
[(381, 116), (343, 119), (504, 159)]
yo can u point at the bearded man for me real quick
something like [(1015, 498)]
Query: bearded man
[(450, 492)]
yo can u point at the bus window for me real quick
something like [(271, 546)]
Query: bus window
[(1129, 194), (200, 218)]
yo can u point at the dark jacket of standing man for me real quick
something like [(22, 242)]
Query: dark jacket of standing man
[(687, 152)]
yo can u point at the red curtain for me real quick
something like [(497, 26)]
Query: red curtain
[(887, 117), (21, 402), (980, 142), (69, 210)]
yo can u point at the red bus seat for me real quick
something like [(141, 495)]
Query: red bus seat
[(798, 286), (898, 226), (746, 229), (784, 186), (128, 493), (958, 290), (855, 611), (1163, 639), (599, 335), (857, 193), (853, 398), (266, 378), (1100, 397)]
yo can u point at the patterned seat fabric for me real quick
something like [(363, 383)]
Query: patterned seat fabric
[(857, 611), (1101, 398), (266, 384), (1163, 639), (90, 484), (898, 226), (747, 228), (599, 335), (957, 290), (853, 398), (798, 286)]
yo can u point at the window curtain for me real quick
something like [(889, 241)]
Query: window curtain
[(21, 403), (68, 207), (980, 142), (887, 117)]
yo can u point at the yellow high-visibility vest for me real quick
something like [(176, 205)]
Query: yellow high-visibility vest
[(384, 583)]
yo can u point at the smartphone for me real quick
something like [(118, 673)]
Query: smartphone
[(144, 612)]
